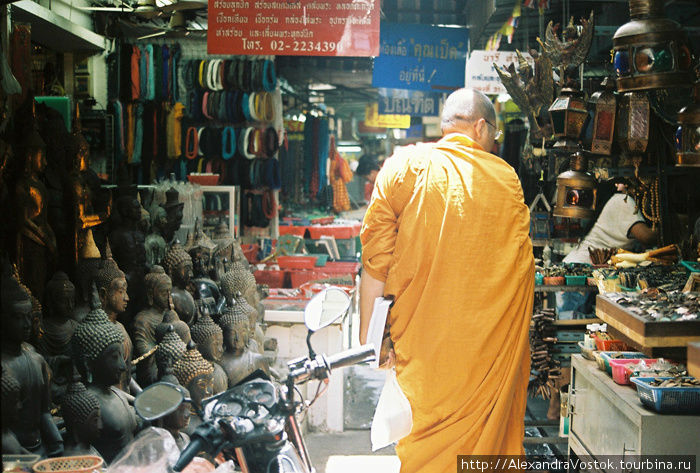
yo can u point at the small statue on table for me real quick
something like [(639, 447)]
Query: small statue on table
[(178, 265)]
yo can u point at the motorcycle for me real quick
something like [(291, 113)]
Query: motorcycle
[(255, 423)]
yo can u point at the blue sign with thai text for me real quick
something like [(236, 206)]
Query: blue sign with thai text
[(421, 57), (409, 102)]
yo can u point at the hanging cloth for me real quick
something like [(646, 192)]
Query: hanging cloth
[(175, 130), (339, 170), (165, 73), (138, 135), (150, 74), (157, 72), (143, 72), (130, 131), (135, 77)]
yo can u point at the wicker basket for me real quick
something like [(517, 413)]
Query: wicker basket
[(78, 464)]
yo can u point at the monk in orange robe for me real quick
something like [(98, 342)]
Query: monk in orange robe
[(446, 235)]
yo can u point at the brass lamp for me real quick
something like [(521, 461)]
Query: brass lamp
[(568, 113), (604, 105), (633, 122), (651, 51), (688, 133), (576, 190)]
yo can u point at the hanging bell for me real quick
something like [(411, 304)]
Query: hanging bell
[(651, 51), (576, 190), (688, 133)]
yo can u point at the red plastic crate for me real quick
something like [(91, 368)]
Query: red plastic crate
[(342, 267), (610, 345), (251, 252), (620, 373), (296, 262), (271, 277), (299, 277), (292, 230), (339, 232)]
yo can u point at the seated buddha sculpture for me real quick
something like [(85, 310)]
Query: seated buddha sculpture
[(83, 418), (210, 343), (238, 360), (197, 375), (178, 265)]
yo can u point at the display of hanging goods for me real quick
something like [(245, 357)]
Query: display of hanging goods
[(269, 76), (228, 143), (544, 368)]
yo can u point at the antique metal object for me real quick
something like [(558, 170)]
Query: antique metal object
[(572, 49), (576, 190), (651, 51), (604, 105), (633, 122), (569, 115), (688, 133)]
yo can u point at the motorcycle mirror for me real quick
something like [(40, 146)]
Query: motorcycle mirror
[(325, 308), (158, 400)]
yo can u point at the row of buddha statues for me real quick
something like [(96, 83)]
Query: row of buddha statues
[(128, 307)]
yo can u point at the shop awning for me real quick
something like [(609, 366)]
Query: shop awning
[(54, 31)]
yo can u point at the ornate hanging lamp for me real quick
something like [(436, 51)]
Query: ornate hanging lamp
[(651, 51), (633, 122), (568, 113), (688, 133), (604, 106), (576, 190)]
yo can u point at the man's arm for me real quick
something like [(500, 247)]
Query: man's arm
[(370, 289), (641, 232)]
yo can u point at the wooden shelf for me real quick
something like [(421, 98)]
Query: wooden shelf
[(694, 359), (576, 322), (564, 288)]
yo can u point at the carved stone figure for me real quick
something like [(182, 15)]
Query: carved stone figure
[(112, 289), (197, 375), (257, 335), (36, 431), (36, 242), (178, 421), (99, 346), (170, 349), (58, 325), (11, 407), (238, 361), (128, 246), (178, 265), (81, 412), (201, 249), (156, 246), (158, 289), (173, 210), (228, 250), (210, 343), (88, 264)]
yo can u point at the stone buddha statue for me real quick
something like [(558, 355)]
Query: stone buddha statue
[(112, 290), (197, 375), (201, 249), (36, 241), (83, 418), (11, 406), (89, 263), (98, 345), (210, 343), (158, 289), (156, 246), (58, 324), (36, 431), (257, 335), (178, 265), (174, 213), (238, 360), (170, 349)]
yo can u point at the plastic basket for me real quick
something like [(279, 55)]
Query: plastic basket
[(292, 230), (587, 352), (342, 267), (297, 278), (296, 262), (554, 280), (271, 277), (620, 373), (575, 280), (78, 464), (610, 345), (204, 179), (608, 355), (668, 400)]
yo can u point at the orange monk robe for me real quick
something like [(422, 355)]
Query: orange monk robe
[(447, 231)]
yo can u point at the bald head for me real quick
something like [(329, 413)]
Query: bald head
[(465, 106)]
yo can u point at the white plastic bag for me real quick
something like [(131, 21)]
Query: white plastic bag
[(393, 419)]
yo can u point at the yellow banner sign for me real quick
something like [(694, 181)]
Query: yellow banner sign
[(374, 119)]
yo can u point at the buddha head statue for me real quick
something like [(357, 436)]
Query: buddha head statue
[(238, 279), (236, 329), (60, 299), (173, 211), (111, 287), (158, 289), (81, 412), (196, 374), (11, 397), (170, 349), (180, 419), (16, 312), (181, 328), (241, 305), (98, 347), (201, 251), (178, 264), (209, 338), (145, 221)]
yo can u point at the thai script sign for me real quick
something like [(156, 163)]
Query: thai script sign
[(294, 27), (409, 102), (482, 76), (374, 119), (421, 57)]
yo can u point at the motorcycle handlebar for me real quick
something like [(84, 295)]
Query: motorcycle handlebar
[(350, 357), (196, 445)]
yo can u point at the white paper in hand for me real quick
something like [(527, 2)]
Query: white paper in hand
[(375, 332), (393, 419)]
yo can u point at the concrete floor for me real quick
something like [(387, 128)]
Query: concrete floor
[(349, 452)]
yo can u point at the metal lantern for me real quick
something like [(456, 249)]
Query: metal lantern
[(576, 190), (604, 105), (633, 122), (651, 51), (688, 133), (568, 113)]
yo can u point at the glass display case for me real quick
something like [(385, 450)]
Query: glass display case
[(220, 204)]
